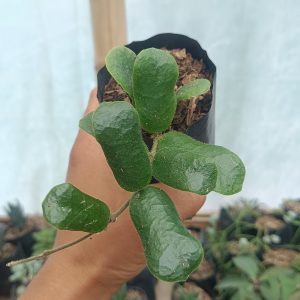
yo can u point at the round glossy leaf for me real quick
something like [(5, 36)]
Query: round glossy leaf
[(66, 207), (119, 63), (171, 252), (154, 77), (194, 88), (178, 162), (116, 126)]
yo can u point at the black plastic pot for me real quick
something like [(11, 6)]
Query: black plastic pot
[(204, 129), (207, 284), (26, 240), (285, 234), (225, 220), (246, 225), (199, 292), (135, 293), (5, 284), (144, 281)]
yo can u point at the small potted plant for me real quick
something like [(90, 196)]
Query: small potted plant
[(144, 281), (205, 275), (253, 265), (22, 274), (291, 215), (189, 291), (249, 279), (8, 252), (141, 143), (130, 293), (20, 228)]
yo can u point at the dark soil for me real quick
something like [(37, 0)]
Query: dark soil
[(280, 257), (269, 223), (188, 112)]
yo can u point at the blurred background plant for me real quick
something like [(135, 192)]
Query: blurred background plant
[(23, 274), (251, 253)]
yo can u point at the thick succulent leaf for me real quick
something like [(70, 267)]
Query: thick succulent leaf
[(66, 207), (182, 163), (171, 252), (86, 123), (154, 77), (119, 63), (230, 168), (196, 87), (186, 164), (117, 128)]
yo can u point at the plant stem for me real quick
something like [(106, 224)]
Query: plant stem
[(296, 235), (115, 215), (46, 253)]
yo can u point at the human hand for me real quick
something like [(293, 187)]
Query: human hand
[(97, 267)]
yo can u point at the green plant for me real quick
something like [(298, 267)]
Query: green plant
[(175, 159), (184, 294), (16, 215), (2, 238), (249, 263), (121, 293), (189, 291), (2, 234), (23, 274), (249, 279), (44, 239)]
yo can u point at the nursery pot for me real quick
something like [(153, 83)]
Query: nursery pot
[(144, 281), (5, 284), (205, 276), (225, 220), (203, 129), (189, 291), (284, 231), (134, 293), (26, 239)]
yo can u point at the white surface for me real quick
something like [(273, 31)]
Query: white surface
[(46, 72), (256, 47)]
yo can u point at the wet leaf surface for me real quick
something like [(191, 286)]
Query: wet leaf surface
[(154, 77), (66, 207), (171, 252)]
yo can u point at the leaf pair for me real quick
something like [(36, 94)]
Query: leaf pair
[(177, 159), (149, 78), (171, 252)]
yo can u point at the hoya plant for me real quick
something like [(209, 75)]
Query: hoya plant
[(175, 159)]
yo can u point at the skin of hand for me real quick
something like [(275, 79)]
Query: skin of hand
[(98, 266)]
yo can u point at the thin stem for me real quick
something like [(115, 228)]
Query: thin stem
[(296, 235), (115, 215), (156, 137), (46, 253)]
